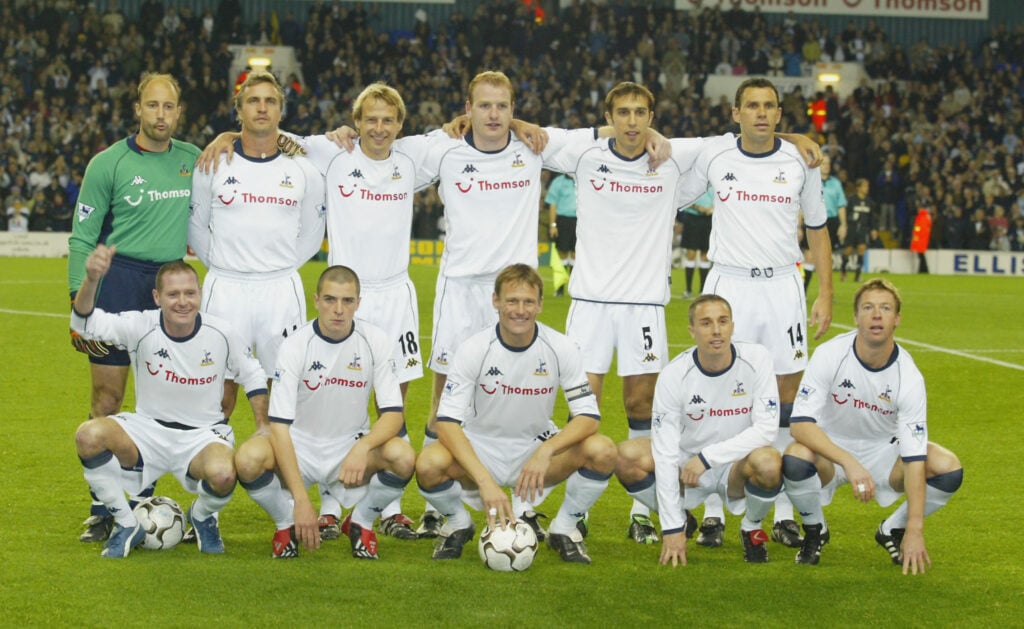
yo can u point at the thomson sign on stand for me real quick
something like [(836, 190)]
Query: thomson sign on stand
[(948, 262)]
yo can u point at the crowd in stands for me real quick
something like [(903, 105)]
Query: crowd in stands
[(937, 126)]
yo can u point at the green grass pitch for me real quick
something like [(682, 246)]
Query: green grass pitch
[(966, 334)]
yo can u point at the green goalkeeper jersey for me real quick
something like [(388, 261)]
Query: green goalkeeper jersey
[(136, 200)]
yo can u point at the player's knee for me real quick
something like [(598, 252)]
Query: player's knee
[(630, 458), (250, 462), (637, 405), (430, 465), (90, 439), (766, 466), (399, 456), (941, 460), (220, 475), (799, 451), (601, 454)]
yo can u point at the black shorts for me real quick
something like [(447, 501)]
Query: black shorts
[(127, 286), (566, 240), (696, 231)]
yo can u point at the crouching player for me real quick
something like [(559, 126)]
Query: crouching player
[(495, 430), (319, 426), (861, 418), (715, 418), (181, 360)]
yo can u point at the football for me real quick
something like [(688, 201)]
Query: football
[(163, 521), (508, 549)]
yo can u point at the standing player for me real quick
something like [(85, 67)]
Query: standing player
[(835, 206), (761, 185), (861, 418), (254, 223), (715, 417), (561, 200), (862, 208), (369, 225), (495, 429), (696, 237), (135, 195), (181, 360), (320, 430)]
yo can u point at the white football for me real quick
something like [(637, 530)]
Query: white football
[(163, 521), (508, 549)]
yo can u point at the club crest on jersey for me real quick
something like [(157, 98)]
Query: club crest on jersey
[(207, 359), (84, 211), (138, 180), (886, 395), (494, 371), (729, 177), (286, 182), (316, 366), (651, 172), (542, 368), (396, 174), (185, 171), (443, 358), (771, 405), (805, 392), (739, 390), (780, 178), (517, 161), (356, 364)]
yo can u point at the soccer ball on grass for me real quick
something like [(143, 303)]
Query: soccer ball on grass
[(163, 521), (508, 549)]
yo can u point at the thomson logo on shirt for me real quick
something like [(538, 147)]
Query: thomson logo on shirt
[(745, 196), (485, 185)]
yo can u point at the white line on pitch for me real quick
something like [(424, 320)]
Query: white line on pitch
[(34, 314)]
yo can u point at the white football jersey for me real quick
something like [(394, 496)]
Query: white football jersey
[(862, 409), (322, 387), (491, 202), (257, 215), (369, 204), (178, 380), (498, 392), (758, 199), (722, 417), (625, 211)]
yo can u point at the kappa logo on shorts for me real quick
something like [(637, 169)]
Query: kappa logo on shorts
[(412, 362), (798, 354), (651, 357)]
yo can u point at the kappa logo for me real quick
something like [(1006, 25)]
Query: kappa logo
[(738, 391), (316, 366), (232, 181), (780, 178), (84, 211), (846, 384), (517, 161), (138, 180), (729, 177), (286, 182), (412, 362), (696, 399), (651, 357), (358, 174), (162, 353), (395, 174), (207, 359), (494, 371), (604, 169), (798, 354), (469, 169)]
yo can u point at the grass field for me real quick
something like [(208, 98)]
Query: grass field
[(966, 335)]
